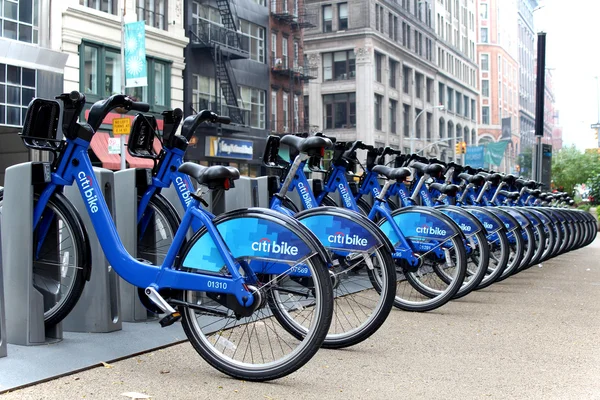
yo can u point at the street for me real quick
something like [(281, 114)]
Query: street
[(534, 336)]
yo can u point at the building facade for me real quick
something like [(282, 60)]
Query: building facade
[(29, 68), (382, 73), (498, 64), (227, 71), (527, 72), (289, 69), (89, 32)]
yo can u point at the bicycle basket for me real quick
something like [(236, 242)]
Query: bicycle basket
[(40, 129), (141, 138)]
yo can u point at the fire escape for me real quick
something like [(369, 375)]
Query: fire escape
[(225, 44), (295, 70)]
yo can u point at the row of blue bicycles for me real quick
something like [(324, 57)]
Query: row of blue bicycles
[(258, 291)]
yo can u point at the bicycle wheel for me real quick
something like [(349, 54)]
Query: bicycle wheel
[(420, 288), (156, 230), (61, 259), (363, 276), (255, 346), (499, 251)]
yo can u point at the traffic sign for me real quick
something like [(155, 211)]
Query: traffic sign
[(121, 126)]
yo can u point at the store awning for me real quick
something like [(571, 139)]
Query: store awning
[(99, 146)]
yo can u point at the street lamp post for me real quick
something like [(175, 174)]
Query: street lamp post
[(414, 133)]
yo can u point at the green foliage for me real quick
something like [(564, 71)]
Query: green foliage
[(594, 185), (570, 167), (584, 207), (525, 162)]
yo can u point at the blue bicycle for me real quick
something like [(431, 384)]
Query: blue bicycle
[(221, 283)]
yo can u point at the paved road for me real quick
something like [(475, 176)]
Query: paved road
[(534, 336)]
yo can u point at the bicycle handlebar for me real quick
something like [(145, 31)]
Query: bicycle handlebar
[(191, 123), (101, 108)]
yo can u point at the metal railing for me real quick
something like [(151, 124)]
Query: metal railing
[(152, 18), (211, 34), (285, 66)]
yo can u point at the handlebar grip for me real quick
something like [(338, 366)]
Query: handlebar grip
[(223, 120), (139, 106), (76, 96)]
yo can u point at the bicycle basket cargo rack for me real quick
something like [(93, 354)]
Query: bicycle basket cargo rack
[(41, 127)]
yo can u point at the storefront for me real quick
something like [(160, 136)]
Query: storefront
[(241, 152)]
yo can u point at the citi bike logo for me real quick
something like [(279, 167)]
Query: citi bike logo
[(344, 238), (88, 191), (488, 226), (431, 230), (305, 195), (375, 192), (465, 227), (345, 195), (183, 190), (266, 246)]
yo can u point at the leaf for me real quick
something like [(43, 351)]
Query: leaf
[(107, 365), (135, 395)]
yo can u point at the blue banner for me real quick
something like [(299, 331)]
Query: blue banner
[(249, 237), (230, 148), (136, 69), (474, 156)]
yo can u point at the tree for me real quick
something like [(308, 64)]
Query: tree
[(526, 161), (594, 185), (570, 167)]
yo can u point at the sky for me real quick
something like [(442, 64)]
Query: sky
[(573, 55)]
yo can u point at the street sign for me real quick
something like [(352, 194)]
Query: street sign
[(114, 146), (121, 126)]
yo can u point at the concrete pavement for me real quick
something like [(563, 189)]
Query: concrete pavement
[(533, 336)]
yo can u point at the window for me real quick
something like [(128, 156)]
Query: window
[(428, 125), (286, 115), (419, 86), (450, 99), (17, 89), (284, 53), (327, 18), (472, 110), (339, 65), (296, 113), (466, 106), (100, 76), (378, 111), (441, 93), (253, 100), (429, 90), (393, 72), (458, 103), (395, 29), (108, 6), (484, 35), (391, 26), (485, 88), (485, 62), (378, 62), (273, 48), (405, 119), (340, 110), (296, 55), (253, 40), (377, 11), (203, 93), (261, 2), (485, 115), (418, 123), (19, 21), (392, 112), (306, 113), (273, 111), (151, 11), (406, 72), (342, 16), (483, 10)]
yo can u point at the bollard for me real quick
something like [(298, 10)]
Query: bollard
[(260, 192), (24, 304), (128, 183), (98, 309)]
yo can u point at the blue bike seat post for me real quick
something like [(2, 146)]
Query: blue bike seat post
[(298, 161)]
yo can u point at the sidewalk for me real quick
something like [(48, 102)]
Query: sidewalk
[(533, 336)]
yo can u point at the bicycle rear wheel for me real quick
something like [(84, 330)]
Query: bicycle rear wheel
[(61, 259), (256, 346)]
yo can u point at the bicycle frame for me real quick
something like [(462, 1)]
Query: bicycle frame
[(75, 166)]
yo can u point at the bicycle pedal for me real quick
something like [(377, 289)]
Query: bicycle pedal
[(170, 319)]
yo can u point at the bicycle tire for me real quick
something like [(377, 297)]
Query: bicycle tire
[(309, 344), (165, 228)]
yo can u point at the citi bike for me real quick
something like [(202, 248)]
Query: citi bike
[(227, 316), (424, 240), (359, 310)]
